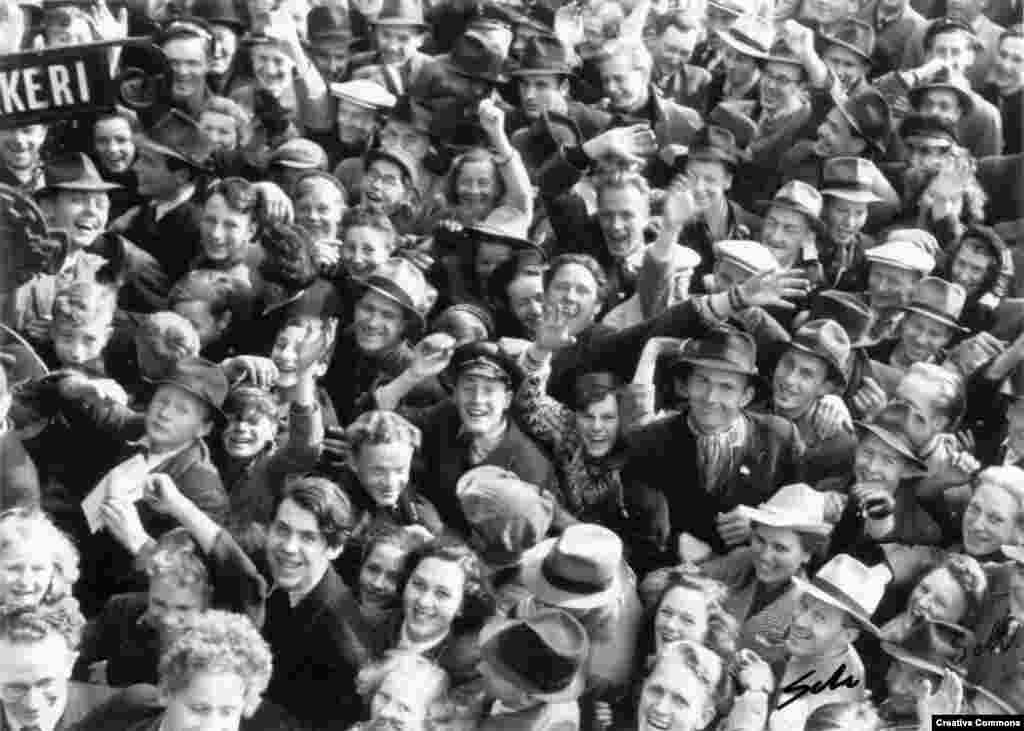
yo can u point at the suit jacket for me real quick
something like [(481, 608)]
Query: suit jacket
[(1011, 110), (764, 631), (761, 176), (664, 454), (318, 647), (445, 459), (543, 717), (173, 240), (401, 77), (83, 698)]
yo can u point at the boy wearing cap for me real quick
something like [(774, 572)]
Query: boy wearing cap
[(790, 228), (124, 448), (399, 31), (894, 269), (815, 365), (928, 326), (360, 104)]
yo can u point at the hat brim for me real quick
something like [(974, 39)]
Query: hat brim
[(490, 77), (833, 41), (553, 71), (875, 141), (737, 45), (886, 436), (715, 364), (816, 223), (832, 364), (854, 611), (735, 12), (217, 411), (901, 655), (981, 690), (99, 187), (731, 158), (965, 99), (481, 232), (294, 165), (150, 144), (937, 317), (402, 23), (488, 652), (853, 195), (365, 285), (782, 519), (533, 578)]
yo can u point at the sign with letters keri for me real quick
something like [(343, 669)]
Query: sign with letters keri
[(54, 84)]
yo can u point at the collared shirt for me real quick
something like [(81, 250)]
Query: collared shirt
[(162, 208), (480, 446), (420, 647), (715, 451)]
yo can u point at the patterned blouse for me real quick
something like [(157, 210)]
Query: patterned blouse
[(588, 487)]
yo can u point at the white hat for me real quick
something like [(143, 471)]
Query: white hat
[(364, 93), (903, 255), (846, 583), (748, 255), (798, 507), (581, 569)]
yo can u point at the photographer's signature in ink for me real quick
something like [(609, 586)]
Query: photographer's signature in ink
[(801, 687)]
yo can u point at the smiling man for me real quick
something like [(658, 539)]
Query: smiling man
[(314, 668), (20, 165), (38, 648)]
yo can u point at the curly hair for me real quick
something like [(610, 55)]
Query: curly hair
[(958, 179), (221, 292), (723, 629), (362, 217), (22, 625), (230, 108), (414, 670), (20, 526), (382, 427), (83, 303), (245, 400), (239, 194), (218, 642), (289, 260), (478, 603), (476, 154), (972, 580), (583, 260), (176, 560)]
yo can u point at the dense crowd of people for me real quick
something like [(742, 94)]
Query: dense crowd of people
[(512, 364)]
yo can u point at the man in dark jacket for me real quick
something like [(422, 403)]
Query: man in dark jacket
[(738, 458)]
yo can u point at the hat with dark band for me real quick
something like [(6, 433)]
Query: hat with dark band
[(847, 584), (898, 428)]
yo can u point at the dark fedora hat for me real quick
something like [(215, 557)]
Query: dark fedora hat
[(854, 35), (177, 135), (897, 426), (74, 171), (487, 359), (201, 378), (929, 125), (715, 144), (781, 52), (939, 300), (855, 316), (933, 647), (400, 281), (328, 24), (725, 349), (405, 13), (948, 24), (945, 80), (544, 655), (472, 58), (870, 117), (543, 55), (728, 115), (827, 340), (219, 12)]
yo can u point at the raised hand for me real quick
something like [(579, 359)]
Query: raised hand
[(633, 144), (733, 528), (104, 25), (162, 494), (492, 119), (256, 369), (679, 207), (773, 289), (870, 398), (553, 331), (754, 674), (432, 355), (122, 520), (946, 699), (830, 417)]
